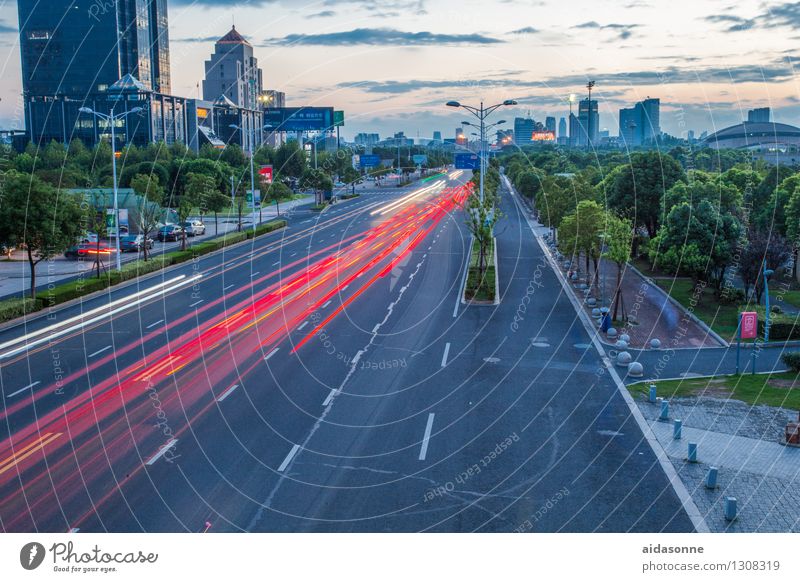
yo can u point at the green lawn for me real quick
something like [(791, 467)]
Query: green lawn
[(778, 389), (792, 298), (481, 290)]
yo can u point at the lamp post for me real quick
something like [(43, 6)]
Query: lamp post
[(111, 119), (589, 86), (252, 169), (482, 113), (767, 274)]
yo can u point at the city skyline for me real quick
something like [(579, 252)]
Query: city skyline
[(337, 53)]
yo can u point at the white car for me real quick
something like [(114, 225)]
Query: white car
[(194, 228)]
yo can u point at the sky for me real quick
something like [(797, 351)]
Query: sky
[(392, 64)]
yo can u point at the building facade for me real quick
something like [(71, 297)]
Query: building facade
[(641, 124), (523, 131), (232, 71)]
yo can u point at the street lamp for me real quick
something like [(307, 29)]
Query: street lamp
[(252, 169), (111, 119), (767, 274), (482, 113)]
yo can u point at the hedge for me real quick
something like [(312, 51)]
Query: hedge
[(792, 359), (781, 326), (13, 308)]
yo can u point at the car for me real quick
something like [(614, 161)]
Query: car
[(83, 250), (134, 243), (194, 228), (169, 232)]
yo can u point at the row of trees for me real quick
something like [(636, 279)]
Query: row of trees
[(712, 226)]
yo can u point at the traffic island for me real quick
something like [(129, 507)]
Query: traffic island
[(482, 288)]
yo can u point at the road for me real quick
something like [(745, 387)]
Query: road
[(327, 378)]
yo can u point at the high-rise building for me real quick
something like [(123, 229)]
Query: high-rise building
[(550, 124), (233, 71), (562, 128), (367, 139), (461, 139), (437, 136), (640, 124), (588, 124), (759, 115), (523, 130), (69, 51)]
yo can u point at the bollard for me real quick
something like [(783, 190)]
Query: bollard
[(711, 478), (692, 453), (652, 393), (664, 411), (730, 508), (676, 428)]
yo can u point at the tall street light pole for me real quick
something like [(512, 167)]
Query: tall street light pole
[(111, 119), (589, 86), (482, 113), (252, 168)]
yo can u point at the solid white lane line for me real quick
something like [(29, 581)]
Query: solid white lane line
[(288, 458), (423, 452), (331, 394), (293, 254), (276, 264), (302, 325), (75, 530), (155, 323), (228, 287), (80, 321), (161, 452), (254, 274), (444, 356), (272, 353), (21, 390), (324, 305), (105, 349), (196, 303), (227, 393)]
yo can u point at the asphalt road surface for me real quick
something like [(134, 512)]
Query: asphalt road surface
[(327, 378)]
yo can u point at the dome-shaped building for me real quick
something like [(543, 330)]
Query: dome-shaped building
[(756, 136)]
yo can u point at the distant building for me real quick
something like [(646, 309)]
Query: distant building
[(523, 130), (367, 139), (759, 115), (268, 99), (585, 128), (550, 124), (562, 128), (756, 136), (437, 136), (461, 139), (640, 124), (233, 71)]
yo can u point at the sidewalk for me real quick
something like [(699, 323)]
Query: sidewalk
[(15, 274), (741, 441)]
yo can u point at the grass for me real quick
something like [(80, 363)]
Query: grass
[(792, 298), (481, 290), (774, 389)]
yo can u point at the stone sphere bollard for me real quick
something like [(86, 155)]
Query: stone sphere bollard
[(611, 333), (596, 312), (635, 370), (655, 343), (574, 277), (621, 344), (624, 359), (625, 337), (591, 301)]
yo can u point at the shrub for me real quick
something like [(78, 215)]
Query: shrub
[(267, 227), (14, 308), (792, 359)]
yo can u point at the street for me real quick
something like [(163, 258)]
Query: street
[(328, 378)]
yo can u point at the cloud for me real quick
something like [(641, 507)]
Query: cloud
[(6, 29), (381, 36), (733, 23), (787, 14), (323, 14), (622, 31), (526, 30), (224, 3)]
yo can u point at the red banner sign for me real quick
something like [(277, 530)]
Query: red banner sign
[(749, 328)]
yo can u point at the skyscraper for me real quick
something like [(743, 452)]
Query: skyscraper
[(588, 117), (523, 130), (640, 124), (67, 50), (550, 124), (760, 115), (562, 128), (437, 136), (232, 71)]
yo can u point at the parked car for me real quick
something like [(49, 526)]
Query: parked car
[(169, 232), (134, 243), (194, 228)]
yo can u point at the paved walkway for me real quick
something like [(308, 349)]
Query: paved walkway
[(742, 442)]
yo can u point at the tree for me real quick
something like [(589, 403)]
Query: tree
[(38, 216), (638, 188), (580, 234), (559, 197), (762, 247), (290, 161), (318, 181), (151, 194), (275, 192), (618, 238), (482, 215)]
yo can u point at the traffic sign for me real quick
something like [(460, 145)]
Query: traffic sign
[(467, 161), (420, 159), (369, 160), (266, 174)]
